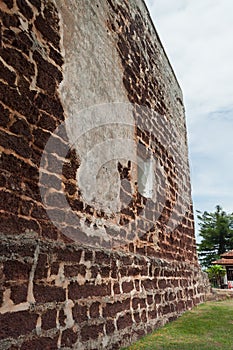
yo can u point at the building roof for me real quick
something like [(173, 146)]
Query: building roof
[(223, 261), (228, 254), (226, 259)]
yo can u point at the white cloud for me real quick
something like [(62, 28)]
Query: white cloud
[(197, 37)]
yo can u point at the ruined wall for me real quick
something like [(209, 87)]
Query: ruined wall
[(97, 243)]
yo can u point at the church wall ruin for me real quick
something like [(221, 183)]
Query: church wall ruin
[(97, 230)]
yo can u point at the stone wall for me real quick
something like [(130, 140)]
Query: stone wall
[(64, 296), (97, 229), (30, 110)]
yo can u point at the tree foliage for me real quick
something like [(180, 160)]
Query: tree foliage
[(216, 231), (215, 274)]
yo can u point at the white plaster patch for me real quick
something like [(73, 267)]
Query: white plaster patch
[(38, 325), (68, 312), (9, 306), (93, 77), (30, 296)]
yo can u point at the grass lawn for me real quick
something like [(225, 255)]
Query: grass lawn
[(208, 326)]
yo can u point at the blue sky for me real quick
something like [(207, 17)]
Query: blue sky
[(198, 38)]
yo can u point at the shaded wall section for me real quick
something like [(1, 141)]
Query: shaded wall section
[(98, 243)]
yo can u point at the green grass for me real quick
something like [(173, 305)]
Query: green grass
[(208, 326)]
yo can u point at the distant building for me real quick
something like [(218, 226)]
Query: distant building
[(227, 262)]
